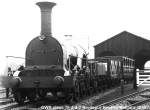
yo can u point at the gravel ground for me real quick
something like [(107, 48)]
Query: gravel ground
[(89, 101), (127, 102), (137, 98), (146, 93), (128, 89), (2, 95), (104, 97), (94, 101), (144, 106)]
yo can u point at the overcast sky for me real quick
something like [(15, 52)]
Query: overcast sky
[(97, 20)]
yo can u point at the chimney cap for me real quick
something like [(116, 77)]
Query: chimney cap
[(45, 4)]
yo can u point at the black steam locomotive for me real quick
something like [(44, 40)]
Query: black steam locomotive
[(51, 66)]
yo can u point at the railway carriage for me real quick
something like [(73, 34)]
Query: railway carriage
[(109, 70)]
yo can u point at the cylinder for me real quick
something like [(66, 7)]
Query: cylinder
[(46, 9), (10, 82), (58, 80)]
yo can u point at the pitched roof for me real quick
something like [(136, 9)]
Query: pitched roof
[(123, 33)]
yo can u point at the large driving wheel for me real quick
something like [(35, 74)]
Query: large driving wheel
[(76, 92), (95, 86), (42, 93), (86, 88), (31, 96), (19, 97)]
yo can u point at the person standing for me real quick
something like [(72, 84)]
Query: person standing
[(9, 74)]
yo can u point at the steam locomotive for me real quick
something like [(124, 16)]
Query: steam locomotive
[(51, 66)]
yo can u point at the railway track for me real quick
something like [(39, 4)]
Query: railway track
[(45, 103), (125, 102), (50, 102), (131, 101), (83, 103), (36, 105), (2, 90), (6, 102)]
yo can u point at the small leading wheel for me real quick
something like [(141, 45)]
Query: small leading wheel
[(31, 96), (95, 87), (76, 92), (42, 93), (88, 89), (69, 98), (83, 89), (19, 97)]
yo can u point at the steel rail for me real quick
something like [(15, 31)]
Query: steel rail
[(2, 90), (136, 104), (122, 98)]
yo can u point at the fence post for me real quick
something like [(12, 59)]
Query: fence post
[(137, 77), (122, 78), (134, 79), (122, 86)]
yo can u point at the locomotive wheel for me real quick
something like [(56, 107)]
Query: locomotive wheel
[(88, 89), (91, 90), (99, 87), (84, 90), (81, 89), (42, 93), (95, 87), (19, 97), (31, 96), (69, 98), (76, 92)]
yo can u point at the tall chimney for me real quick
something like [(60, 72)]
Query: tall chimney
[(46, 9)]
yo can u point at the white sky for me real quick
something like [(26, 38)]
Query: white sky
[(96, 19)]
